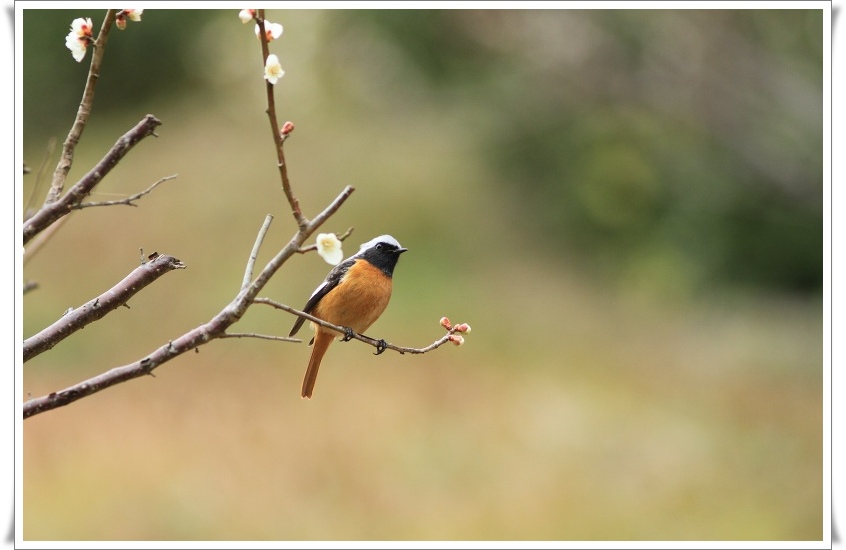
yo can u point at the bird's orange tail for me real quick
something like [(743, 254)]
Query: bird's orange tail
[(321, 344)]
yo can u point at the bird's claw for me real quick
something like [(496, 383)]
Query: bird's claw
[(381, 346), (348, 334)]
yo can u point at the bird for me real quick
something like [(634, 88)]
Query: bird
[(353, 295)]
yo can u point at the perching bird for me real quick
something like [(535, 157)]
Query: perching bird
[(354, 295)]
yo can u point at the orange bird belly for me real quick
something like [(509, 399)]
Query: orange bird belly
[(358, 300)]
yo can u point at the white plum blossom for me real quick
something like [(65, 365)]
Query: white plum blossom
[(329, 248), (272, 69), (79, 37), (271, 30), (82, 26), (133, 15), (77, 47)]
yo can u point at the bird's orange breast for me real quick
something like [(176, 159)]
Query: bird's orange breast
[(358, 300)]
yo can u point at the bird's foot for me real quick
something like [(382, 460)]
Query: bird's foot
[(381, 346), (348, 334)]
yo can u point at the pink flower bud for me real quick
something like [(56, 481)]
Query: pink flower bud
[(445, 323), (246, 15), (287, 128), (463, 327), (456, 339)]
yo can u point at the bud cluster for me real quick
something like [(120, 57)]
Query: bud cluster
[(456, 339)]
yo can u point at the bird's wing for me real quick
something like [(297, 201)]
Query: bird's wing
[(335, 276)]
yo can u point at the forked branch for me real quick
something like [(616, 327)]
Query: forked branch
[(203, 334), (82, 113), (54, 210)]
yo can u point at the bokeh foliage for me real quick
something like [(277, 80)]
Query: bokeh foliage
[(652, 143)]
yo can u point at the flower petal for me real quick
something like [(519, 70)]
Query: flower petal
[(272, 69), (329, 248)]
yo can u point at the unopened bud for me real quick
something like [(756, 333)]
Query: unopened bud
[(445, 323), (463, 327), (246, 15), (456, 339), (287, 128)]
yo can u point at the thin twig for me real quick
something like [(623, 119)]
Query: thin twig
[(312, 247), (378, 344), (97, 308), (29, 286), (128, 200), (260, 336), (82, 113), (51, 212), (248, 273), (39, 179), (278, 140), (42, 238)]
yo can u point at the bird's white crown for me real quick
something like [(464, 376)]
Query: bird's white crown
[(381, 239)]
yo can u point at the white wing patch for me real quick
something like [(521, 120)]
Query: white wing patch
[(316, 290)]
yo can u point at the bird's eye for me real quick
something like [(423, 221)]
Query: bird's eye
[(379, 246)]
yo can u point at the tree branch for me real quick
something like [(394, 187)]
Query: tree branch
[(278, 139), (378, 344), (128, 200), (248, 273), (259, 336), (214, 328), (100, 306), (69, 146), (51, 212)]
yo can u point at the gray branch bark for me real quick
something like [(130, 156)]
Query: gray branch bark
[(97, 308)]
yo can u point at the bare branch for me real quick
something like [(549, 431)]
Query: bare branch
[(97, 308), (260, 336), (51, 212), (213, 329), (378, 344), (248, 273), (128, 200), (278, 139), (82, 113)]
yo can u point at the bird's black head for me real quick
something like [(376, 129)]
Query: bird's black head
[(383, 252)]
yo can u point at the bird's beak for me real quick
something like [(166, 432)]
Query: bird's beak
[(401, 250)]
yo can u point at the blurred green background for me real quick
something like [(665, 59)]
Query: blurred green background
[(625, 205)]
